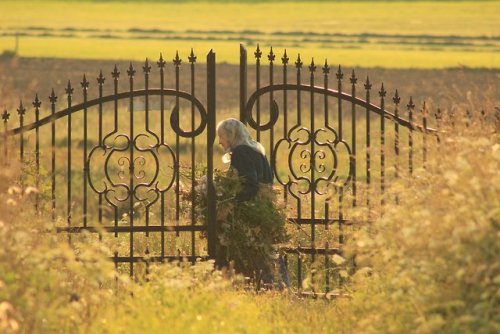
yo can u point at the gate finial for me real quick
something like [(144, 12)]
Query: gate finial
[(115, 73), (410, 106), (396, 99), (312, 67), (298, 63), (192, 57), (37, 103), (53, 97), (69, 90), (326, 68), (84, 83), (353, 78), (257, 52), (285, 58), (161, 62), (382, 91), (146, 68), (5, 116), (271, 56), (368, 85), (339, 74), (21, 110), (177, 61), (131, 71), (100, 78)]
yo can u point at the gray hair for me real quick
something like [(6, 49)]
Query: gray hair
[(237, 134)]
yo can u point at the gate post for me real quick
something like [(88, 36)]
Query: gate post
[(243, 83), (211, 203)]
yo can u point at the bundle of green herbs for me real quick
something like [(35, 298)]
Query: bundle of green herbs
[(248, 231)]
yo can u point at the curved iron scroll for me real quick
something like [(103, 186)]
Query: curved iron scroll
[(120, 96), (313, 161), (321, 90)]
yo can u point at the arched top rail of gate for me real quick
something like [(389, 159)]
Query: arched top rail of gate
[(174, 118), (116, 96), (247, 104), (274, 113)]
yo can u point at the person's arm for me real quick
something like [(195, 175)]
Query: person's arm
[(242, 162)]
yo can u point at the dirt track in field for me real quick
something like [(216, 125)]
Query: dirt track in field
[(459, 89)]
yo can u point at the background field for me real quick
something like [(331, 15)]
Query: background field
[(432, 34)]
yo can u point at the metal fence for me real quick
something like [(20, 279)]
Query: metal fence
[(323, 143), (119, 175)]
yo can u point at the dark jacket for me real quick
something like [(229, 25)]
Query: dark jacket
[(253, 167)]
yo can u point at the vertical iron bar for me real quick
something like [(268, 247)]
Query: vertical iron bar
[(21, 111), (312, 69), (258, 54), (341, 224), (396, 99), (243, 83), (162, 223), (192, 61), (5, 118), (298, 66), (382, 94), (161, 64), (424, 134), (340, 76), (271, 58), (131, 73), (326, 71), (177, 62), (85, 86), (116, 75), (69, 92), (37, 105), (410, 106), (327, 246), (353, 80), (211, 205), (100, 81), (368, 86), (284, 61), (146, 69), (53, 100)]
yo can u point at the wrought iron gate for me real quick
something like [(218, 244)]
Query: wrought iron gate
[(323, 144), (129, 164), (317, 159)]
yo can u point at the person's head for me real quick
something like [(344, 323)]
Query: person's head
[(232, 133)]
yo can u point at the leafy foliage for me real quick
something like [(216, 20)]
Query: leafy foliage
[(246, 231)]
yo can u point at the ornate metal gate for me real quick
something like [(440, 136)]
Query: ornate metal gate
[(128, 167), (128, 164), (316, 154)]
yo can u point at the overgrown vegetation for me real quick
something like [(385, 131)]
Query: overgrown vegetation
[(428, 265)]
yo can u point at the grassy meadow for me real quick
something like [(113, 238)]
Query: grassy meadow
[(435, 34), (428, 264), (426, 250)]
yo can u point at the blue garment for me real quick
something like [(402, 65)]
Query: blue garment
[(253, 167)]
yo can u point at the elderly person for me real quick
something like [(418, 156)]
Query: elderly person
[(247, 157)]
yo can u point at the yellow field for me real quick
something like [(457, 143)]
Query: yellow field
[(387, 34)]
